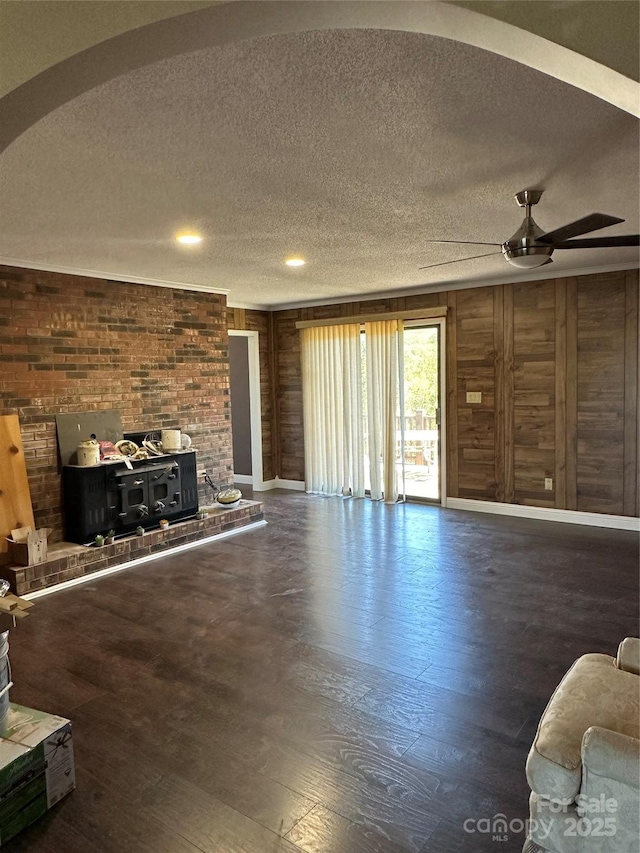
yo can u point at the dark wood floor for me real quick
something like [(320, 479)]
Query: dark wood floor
[(353, 678)]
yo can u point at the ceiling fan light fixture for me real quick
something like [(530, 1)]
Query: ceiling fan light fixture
[(528, 258)]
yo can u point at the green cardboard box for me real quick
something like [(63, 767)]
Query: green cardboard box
[(36, 767)]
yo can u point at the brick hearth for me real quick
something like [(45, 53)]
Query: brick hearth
[(67, 561)]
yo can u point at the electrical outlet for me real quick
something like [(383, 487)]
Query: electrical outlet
[(548, 484), (474, 396)]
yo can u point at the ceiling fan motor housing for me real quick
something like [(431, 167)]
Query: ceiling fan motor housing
[(523, 249), (526, 198)]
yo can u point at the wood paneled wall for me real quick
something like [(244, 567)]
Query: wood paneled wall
[(557, 364)]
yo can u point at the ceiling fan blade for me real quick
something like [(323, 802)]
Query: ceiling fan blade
[(464, 242), (599, 242), (459, 260), (593, 222)]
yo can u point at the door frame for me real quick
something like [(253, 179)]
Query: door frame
[(255, 412), (442, 398)]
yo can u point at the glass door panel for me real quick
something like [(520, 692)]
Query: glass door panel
[(421, 457)]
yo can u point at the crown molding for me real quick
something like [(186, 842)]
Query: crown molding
[(107, 276), (250, 306), (419, 289)]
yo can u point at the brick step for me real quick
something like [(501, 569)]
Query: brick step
[(67, 561)]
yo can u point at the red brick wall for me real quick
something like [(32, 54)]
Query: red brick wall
[(68, 344)]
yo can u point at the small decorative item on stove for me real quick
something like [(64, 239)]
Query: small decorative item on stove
[(164, 524), (88, 453), (110, 537), (153, 446), (99, 540), (226, 496), (140, 531), (108, 451), (126, 447), (171, 440)]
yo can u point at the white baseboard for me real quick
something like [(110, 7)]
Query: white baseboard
[(295, 485), (101, 573), (277, 483), (543, 513), (243, 479), (264, 486)]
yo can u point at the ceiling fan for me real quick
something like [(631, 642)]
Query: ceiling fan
[(532, 247)]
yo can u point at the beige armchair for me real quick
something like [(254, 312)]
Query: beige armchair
[(584, 765)]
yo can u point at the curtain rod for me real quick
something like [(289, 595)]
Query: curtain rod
[(415, 314)]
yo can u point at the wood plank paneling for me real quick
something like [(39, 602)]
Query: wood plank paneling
[(561, 393), (289, 394), (533, 378), (543, 360), (239, 318), (273, 398), (637, 279), (499, 381), (475, 372), (631, 394), (508, 395), (452, 398), (601, 387), (426, 300), (571, 369)]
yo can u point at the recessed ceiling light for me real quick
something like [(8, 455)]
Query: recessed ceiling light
[(189, 239), (295, 262)]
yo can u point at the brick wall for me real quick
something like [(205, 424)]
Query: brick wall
[(158, 356)]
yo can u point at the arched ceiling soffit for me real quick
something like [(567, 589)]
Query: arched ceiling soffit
[(229, 22)]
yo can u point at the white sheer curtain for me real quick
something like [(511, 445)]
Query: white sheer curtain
[(332, 400), (384, 367)]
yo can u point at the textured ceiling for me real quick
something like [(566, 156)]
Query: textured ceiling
[(350, 148)]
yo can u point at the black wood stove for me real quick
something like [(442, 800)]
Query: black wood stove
[(114, 496)]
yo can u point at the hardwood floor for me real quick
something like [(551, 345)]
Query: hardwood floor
[(352, 678)]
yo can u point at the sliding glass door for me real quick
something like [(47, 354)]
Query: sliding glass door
[(373, 402), (419, 420)]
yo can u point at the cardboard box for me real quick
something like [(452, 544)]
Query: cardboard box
[(27, 547), (36, 767)]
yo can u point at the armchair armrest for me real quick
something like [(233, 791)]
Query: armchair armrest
[(611, 755), (629, 655)]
